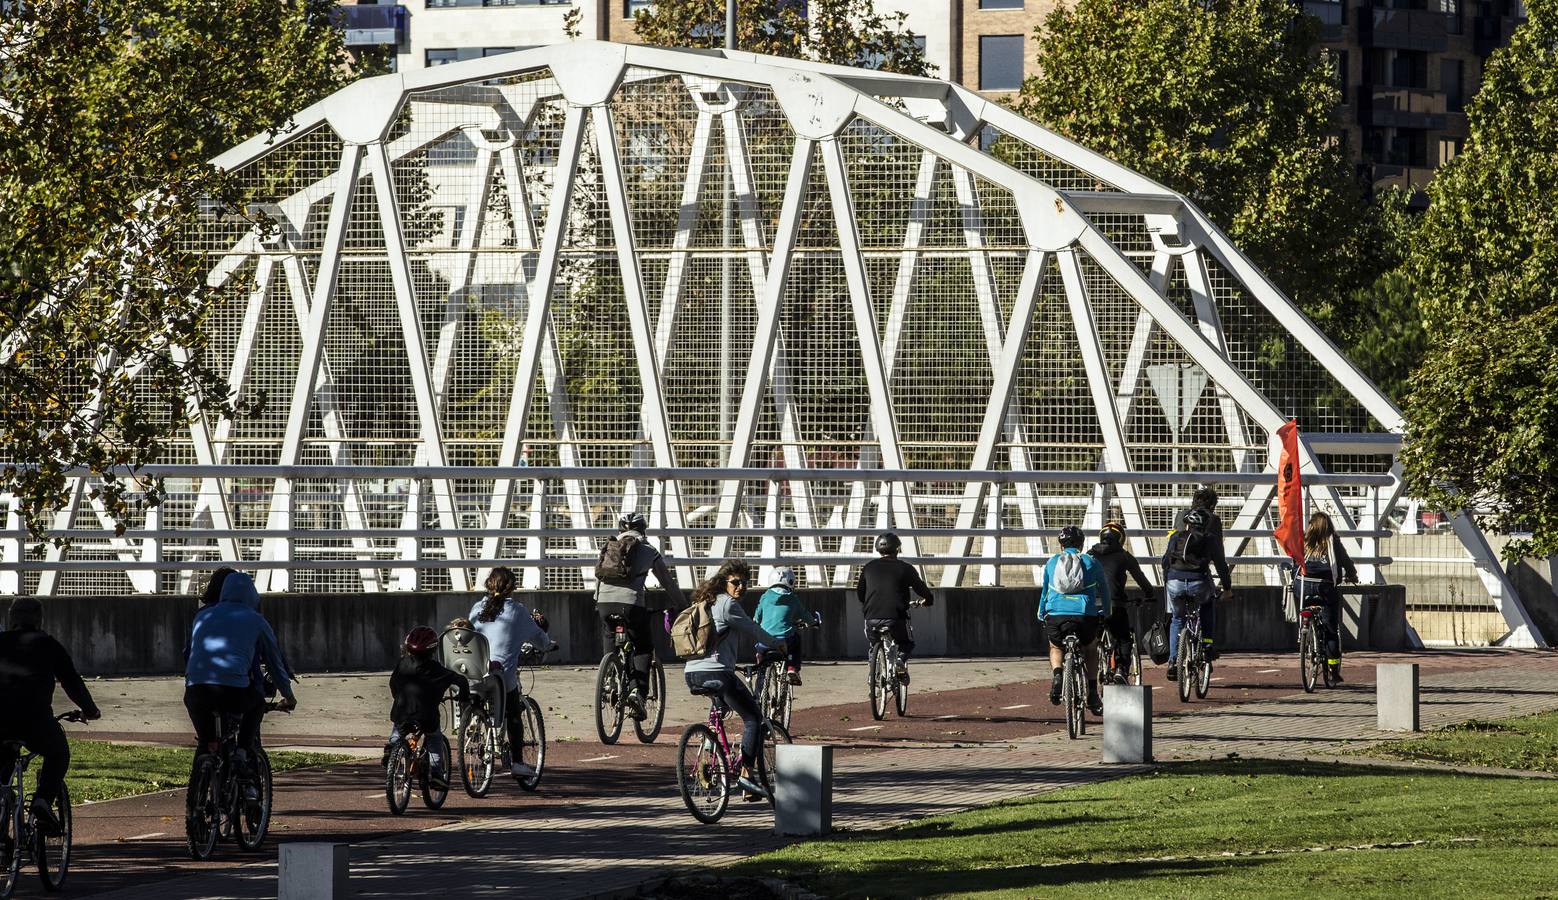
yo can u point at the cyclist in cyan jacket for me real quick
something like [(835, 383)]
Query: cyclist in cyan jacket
[(1077, 609)]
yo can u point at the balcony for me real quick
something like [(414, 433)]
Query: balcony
[(1393, 107), (1491, 32), (371, 26), (1333, 20), (1412, 178), (1403, 29)]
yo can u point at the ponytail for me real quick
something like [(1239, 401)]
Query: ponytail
[(500, 584)]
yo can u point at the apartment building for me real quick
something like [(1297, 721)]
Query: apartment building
[(437, 32)]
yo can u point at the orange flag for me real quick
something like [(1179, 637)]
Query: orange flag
[(1290, 495)]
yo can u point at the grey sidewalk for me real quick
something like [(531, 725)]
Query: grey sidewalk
[(617, 842)]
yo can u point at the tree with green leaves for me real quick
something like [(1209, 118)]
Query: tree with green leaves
[(1230, 103), (1482, 416), (108, 111), (843, 32)]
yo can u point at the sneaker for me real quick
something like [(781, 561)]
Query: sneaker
[(1336, 672), (747, 783), (521, 770), (1210, 652), (635, 706), (901, 672), (1095, 704), (793, 677), (1054, 688), (1173, 672), (47, 822)]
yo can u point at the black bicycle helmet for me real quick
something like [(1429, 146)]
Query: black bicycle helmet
[(1204, 498), (1070, 536), (889, 544), (632, 521), (1198, 521), (1112, 534)]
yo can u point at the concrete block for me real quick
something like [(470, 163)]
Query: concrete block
[(803, 789), (1127, 723), (312, 871), (1395, 693)]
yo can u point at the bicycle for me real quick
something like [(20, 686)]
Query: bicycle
[(1191, 660), (881, 674), (1073, 690), (214, 804), (21, 840), (705, 773), (769, 682), (410, 760), (532, 750), (1107, 667), (611, 689)]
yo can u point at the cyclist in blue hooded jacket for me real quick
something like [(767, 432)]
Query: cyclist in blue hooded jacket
[(1074, 598), (781, 613)]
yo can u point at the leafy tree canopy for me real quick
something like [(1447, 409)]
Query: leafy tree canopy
[(1230, 103), (108, 110), (844, 32), (1483, 410)]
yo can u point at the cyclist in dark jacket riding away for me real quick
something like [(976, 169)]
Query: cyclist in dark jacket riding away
[(418, 686), (31, 661), (624, 597), (884, 588), (1325, 564), (1117, 562), (1194, 549)]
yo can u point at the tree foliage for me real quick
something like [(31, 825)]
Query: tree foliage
[(108, 111), (844, 32), (1483, 410), (1230, 103)]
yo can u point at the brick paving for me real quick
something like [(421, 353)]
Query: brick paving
[(609, 845)]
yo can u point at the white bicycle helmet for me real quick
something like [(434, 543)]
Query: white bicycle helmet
[(783, 575)]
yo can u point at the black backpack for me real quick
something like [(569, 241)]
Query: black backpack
[(1187, 551)]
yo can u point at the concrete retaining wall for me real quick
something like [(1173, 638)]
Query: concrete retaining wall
[(145, 634)]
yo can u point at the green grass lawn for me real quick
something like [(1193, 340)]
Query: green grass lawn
[(1529, 742), (1163, 835), (102, 771)]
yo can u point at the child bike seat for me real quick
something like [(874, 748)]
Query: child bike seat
[(464, 651)]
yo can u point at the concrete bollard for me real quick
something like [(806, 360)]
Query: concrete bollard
[(312, 871), (803, 789), (1127, 723), (1395, 694)]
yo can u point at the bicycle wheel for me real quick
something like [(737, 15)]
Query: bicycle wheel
[(1183, 660), (478, 753), (1322, 660), (786, 702), (608, 699), (878, 684), (702, 774), (1203, 672), (253, 820), (532, 751), (1071, 691), (397, 778), (1136, 673), (433, 795), (10, 852), (1106, 660), (900, 696), (200, 809), (1308, 656), (767, 761), (648, 728)]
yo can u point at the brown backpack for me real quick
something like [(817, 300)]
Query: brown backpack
[(692, 633), (616, 558)]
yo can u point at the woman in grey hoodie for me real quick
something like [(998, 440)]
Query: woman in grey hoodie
[(716, 670)]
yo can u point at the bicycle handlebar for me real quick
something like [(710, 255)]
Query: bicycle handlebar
[(74, 715)]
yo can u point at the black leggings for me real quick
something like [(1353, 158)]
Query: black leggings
[(46, 738), (1326, 596), (513, 712), (733, 692), (898, 628), (206, 701), (638, 629)]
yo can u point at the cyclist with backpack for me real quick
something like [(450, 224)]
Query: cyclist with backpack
[(704, 634), (884, 587), (1117, 562), (625, 562), (1325, 563), (1074, 598), (1194, 548), (780, 612)]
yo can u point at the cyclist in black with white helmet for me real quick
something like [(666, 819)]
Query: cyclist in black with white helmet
[(884, 588), (622, 594)]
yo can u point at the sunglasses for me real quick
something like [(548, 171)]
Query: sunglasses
[(741, 581)]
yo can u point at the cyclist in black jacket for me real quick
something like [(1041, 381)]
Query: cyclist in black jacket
[(1117, 562), (30, 662), (884, 588)]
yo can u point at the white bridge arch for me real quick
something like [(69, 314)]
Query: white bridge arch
[(777, 305)]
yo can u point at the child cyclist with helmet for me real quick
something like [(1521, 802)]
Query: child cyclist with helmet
[(418, 685), (781, 613)]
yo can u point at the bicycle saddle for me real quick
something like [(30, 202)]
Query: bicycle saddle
[(707, 689)]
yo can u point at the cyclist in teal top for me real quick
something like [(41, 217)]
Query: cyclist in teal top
[(780, 612), (1074, 598)]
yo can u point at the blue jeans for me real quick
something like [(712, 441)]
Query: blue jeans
[(1181, 594), (733, 691)]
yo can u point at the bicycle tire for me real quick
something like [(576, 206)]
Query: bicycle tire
[(1323, 662), (786, 698), (767, 760), (250, 826), (877, 686), (532, 750), (1307, 656), (10, 831), (705, 775), (478, 754), (397, 778), (52, 852), (1136, 670), (201, 824), (654, 705), (900, 696), (433, 796), (1203, 673), (1072, 686), (1106, 652), (609, 699), (1183, 658)]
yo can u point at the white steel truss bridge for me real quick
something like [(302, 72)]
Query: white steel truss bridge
[(776, 305)]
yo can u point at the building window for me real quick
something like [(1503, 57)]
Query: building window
[(442, 57), (1338, 60), (1450, 148), (1451, 81), (494, 51), (1000, 62), (1000, 4), (1452, 16), (629, 7)]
